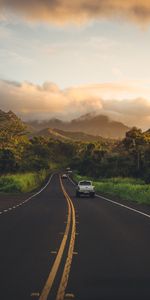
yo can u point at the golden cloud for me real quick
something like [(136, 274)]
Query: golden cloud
[(122, 103), (64, 11)]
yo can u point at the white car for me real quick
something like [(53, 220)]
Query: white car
[(64, 176), (85, 187)]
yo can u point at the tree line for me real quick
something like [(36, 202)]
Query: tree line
[(129, 157)]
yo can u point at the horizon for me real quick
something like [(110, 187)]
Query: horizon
[(83, 117)]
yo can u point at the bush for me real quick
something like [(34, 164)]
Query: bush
[(22, 182), (134, 192), (124, 188)]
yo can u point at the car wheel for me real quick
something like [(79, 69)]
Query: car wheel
[(92, 195)]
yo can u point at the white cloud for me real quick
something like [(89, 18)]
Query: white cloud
[(44, 102)]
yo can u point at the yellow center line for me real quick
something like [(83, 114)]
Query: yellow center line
[(65, 275), (47, 288)]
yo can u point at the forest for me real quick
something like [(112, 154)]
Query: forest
[(105, 158)]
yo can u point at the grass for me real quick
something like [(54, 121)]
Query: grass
[(124, 188), (22, 182)]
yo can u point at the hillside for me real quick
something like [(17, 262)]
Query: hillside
[(96, 125), (9, 120), (53, 133), (7, 117), (79, 136), (68, 135), (86, 128)]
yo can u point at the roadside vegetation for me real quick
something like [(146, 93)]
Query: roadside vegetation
[(129, 157), (22, 182), (123, 188), (26, 162)]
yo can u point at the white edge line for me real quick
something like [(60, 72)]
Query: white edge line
[(71, 180), (125, 206), (28, 199), (119, 204)]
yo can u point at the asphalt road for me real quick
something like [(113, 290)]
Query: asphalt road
[(106, 256)]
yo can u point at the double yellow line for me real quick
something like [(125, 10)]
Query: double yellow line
[(70, 232)]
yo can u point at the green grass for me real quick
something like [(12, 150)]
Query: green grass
[(124, 188), (22, 182)]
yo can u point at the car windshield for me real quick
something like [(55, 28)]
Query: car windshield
[(85, 183)]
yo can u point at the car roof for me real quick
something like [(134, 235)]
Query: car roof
[(84, 181)]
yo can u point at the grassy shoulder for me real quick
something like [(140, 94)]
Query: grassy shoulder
[(124, 188), (22, 182)]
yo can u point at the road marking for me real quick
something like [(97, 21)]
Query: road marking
[(124, 206), (117, 203), (53, 252), (71, 181), (35, 294), (75, 253), (52, 275), (69, 296), (28, 199), (66, 272)]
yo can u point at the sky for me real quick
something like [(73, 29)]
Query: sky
[(62, 58)]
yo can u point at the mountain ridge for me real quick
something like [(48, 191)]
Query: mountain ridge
[(68, 135), (96, 125)]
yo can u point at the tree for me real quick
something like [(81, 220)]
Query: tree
[(135, 142), (7, 161)]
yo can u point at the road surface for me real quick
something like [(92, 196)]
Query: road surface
[(54, 246)]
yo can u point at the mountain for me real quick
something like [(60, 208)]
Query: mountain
[(53, 133), (88, 127), (12, 130), (8, 119), (52, 123), (147, 131), (96, 125), (7, 116), (68, 135)]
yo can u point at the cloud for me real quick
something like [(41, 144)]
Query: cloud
[(135, 112), (64, 11), (32, 101)]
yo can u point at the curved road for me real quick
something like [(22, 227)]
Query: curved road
[(58, 247)]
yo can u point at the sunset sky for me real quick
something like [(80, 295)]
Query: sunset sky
[(62, 58)]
